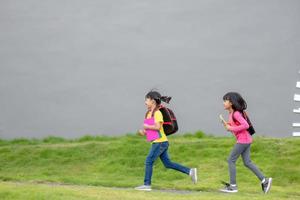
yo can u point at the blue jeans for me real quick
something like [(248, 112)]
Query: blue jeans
[(161, 150)]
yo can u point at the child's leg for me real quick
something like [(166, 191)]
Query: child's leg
[(169, 164), (235, 153), (152, 156), (250, 165)]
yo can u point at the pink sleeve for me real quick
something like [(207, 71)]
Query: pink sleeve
[(243, 124)]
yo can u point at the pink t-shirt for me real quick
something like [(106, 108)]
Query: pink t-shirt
[(239, 128)]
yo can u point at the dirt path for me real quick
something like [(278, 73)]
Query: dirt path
[(56, 184)]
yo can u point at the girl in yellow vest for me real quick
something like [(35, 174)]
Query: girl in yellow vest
[(159, 147)]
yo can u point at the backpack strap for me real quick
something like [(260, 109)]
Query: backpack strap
[(244, 115), (251, 129), (234, 120)]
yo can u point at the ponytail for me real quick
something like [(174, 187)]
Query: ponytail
[(166, 99)]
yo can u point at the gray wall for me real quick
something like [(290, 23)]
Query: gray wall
[(70, 68)]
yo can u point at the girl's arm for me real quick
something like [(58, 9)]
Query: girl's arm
[(156, 126), (158, 122), (243, 124)]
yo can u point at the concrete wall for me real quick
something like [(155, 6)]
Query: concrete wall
[(70, 68)]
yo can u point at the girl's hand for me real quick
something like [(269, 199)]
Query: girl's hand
[(146, 126), (141, 132), (224, 123), (227, 126)]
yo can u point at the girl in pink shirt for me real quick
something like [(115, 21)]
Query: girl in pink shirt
[(238, 125)]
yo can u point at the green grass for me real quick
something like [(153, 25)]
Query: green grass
[(119, 162)]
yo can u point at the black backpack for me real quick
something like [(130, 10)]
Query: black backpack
[(251, 129), (170, 124)]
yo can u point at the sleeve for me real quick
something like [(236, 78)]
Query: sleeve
[(158, 117), (243, 124)]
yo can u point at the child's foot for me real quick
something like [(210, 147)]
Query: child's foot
[(193, 174), (143, 188), (266, 186), (229, 188)]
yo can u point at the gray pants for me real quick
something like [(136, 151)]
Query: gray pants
[(244, 150)]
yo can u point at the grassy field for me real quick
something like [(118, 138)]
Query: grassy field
[(98, 167)]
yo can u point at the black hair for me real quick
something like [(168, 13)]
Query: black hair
[(157, 97), (238, 103)]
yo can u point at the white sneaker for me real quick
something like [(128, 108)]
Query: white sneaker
[(229, 188), (143, 188), (193, 175), (266, 186)]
